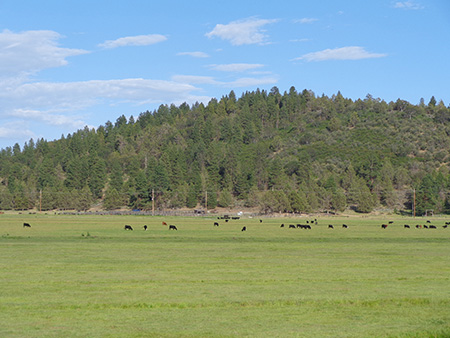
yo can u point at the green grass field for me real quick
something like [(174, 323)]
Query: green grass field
[(85, 276)]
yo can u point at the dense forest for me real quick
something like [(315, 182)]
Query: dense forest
[(290, 152)]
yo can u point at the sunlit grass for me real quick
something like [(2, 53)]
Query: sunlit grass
[(364, 281)]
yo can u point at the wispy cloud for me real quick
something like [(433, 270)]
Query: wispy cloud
[(306, 20), (408, 5), (28, 52), (195, 54), (242, 32), (344, 53), (138, 40), (194, 79), (236, 67)]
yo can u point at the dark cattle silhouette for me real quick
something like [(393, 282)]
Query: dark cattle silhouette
[(390, 222), (244, 229), (330, 226), (128, 227), (425, 226), (291, 226), (428, 221), (345, 226), (384, 226), (307, 227), (418, 226), (282, 225), (172, 227), (145, 227), (445, 226), (26, 225), (216, 224), (299, 226), (406, 226), (164, 223), (260, 221), (226, 220), (235, 217), (432, 227)]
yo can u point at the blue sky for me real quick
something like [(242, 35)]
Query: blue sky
[(69, 64)]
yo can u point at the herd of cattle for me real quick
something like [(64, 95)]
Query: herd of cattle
[(306, 226)]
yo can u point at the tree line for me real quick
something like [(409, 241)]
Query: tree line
[(279, 152)]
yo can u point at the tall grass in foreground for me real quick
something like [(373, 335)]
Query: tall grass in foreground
[(205, 281)]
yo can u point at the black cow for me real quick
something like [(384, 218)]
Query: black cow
[(384, 226), (226, 220), (445, 226), (145, 227), (172, 227), (282, 225), (244, 228), (260, 221), (291, 226), (128, 227), (330, 226), (390, 222), (428, 221), (216, 224), (26, 225), (345, 226), (407, 226), (426, 227), (432, 227)]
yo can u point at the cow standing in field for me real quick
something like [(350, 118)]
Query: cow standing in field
[(345, 226), (407, 226), (145, 228), (384, 226), (128, 227), (164, 223), (282, 225), (26, 225), (216, 224), (244, 229), (172, 227), (330, 226)]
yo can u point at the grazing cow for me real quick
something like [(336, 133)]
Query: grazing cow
[(330, 226), (226, 220), (345, 226), (425, 226), (145, 228), (390, 222), (282, 225), (164, 223), (428, 221), (260, 221), (432, 227), (128, 227), (445, 226), (172, 227), (307, 227), (407, 226), (244, 228), (418, 226), (384, 226), (291, 226), (26, 225), (235, 217), (299, 226), (216, 224)]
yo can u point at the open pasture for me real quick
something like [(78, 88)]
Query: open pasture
[(85, 276)]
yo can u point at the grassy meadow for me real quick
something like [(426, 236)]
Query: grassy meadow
[(85, 276)]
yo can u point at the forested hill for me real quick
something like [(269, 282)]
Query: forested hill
[(290, 152)]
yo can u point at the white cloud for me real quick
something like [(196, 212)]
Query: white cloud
[(242, 32), (138, 40), (236, 67), (195, 54), (252, 82), (306, 20), (194, 79), (28, 52), (344, 53), (408, 5)]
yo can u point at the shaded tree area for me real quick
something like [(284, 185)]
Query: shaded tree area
[(290, 152)]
